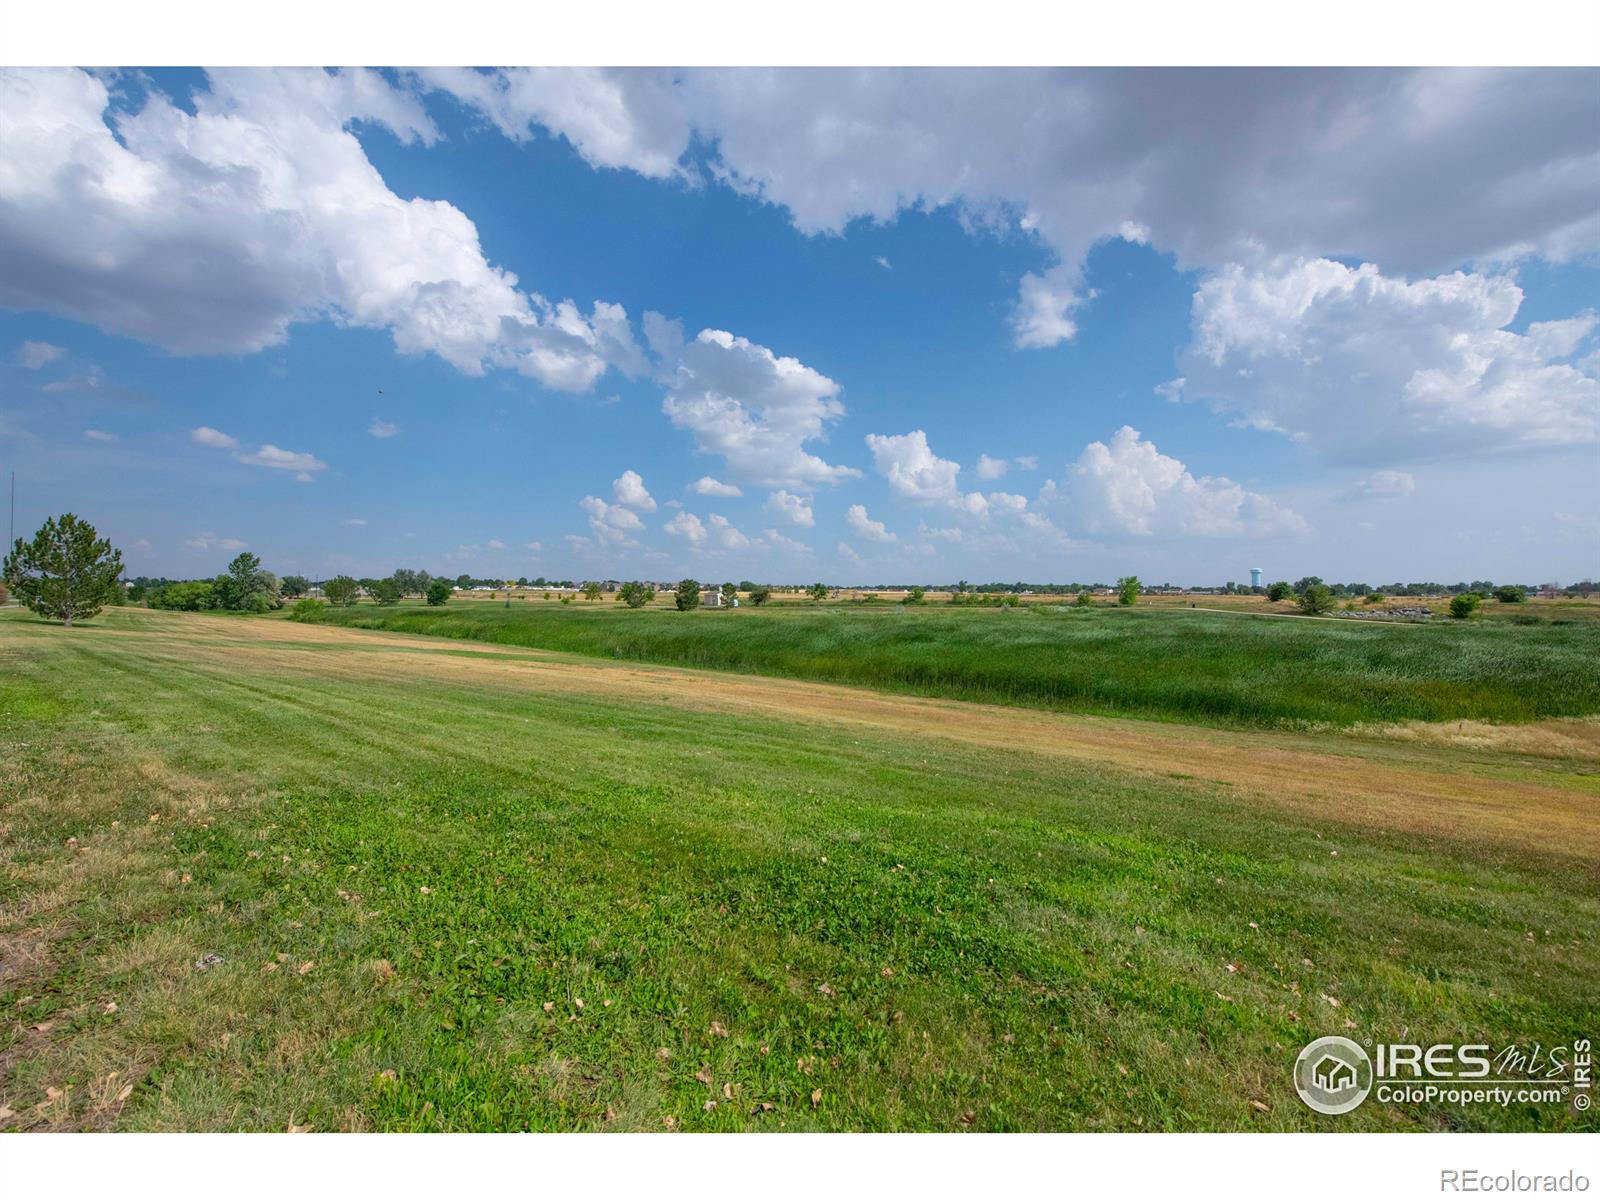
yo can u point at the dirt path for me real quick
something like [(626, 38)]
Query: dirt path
[(1488, 783)]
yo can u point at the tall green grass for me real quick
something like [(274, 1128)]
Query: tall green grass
[(1168, 664)]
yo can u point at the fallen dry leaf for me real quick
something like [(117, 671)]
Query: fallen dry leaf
[(708, 1106), (549, 1005), (293, 1128), (1330, 1000), (5, 1113), (1259, 1107), (704, 1075), (127, 1090), (670, 1122), (764, 1106), (42, 1027), (109, 1007), (816, 1097), (268, 967), (306, 968), (1235, 967), (727, 1091), (824, 989), (717, 1030), (663, 1053)]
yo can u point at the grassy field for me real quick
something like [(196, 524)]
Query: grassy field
[(1166, 663), (469, 887)]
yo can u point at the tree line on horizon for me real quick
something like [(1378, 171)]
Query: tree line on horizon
[(68, 572)]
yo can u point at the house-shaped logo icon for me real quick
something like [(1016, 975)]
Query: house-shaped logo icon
[(1334, 1075)]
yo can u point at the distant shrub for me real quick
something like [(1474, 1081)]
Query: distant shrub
[(307, 610), (687, 594), (1374, 598), (760, 594), (1511, 594), (438, 593), (198, 596), (1464, 605), (1316, 599), (386, 591), (1279, 591), (915, 595), (1084, 600), (818, 591), (340, 591), (635, 594), (1128, 589)]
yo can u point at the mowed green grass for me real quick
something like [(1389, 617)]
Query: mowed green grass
[(1165, 663), (608, 913)]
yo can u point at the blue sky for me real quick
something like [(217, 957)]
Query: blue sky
[(999, 328)]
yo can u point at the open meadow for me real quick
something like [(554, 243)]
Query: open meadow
[(259, 874), (1165, 662)]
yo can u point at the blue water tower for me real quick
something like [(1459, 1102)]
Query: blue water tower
[(1255, 577)]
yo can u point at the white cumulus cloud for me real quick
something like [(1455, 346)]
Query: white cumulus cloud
[(612, 523), (207, 436), (629, 491), (687, 526), (864, 526), (991, 468), (707, 486), (794, 509), (214, 230), (787, 545), (1367, 368), (1130, 487), (726, 535), (34, 355), (1216, 166), (755, 409), (283, 460)]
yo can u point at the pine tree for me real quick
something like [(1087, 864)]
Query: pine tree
[(67, 572)]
